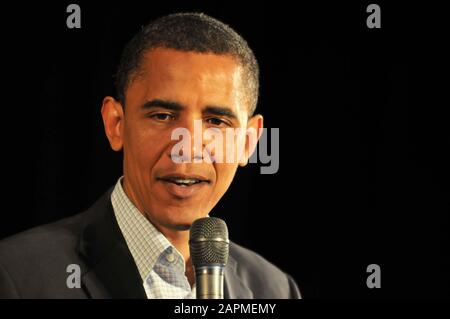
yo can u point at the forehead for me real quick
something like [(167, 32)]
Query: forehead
[(188, 77), (171, 61)]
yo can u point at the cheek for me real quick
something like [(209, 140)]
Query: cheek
[(145, 146), (228, 147), (225, 174)]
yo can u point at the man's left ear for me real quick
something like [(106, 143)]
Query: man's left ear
[(254, 131)]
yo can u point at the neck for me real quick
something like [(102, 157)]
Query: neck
[(178, 238)]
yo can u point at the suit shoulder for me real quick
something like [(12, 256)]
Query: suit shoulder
[(255, 271), (34, 262), (250, 260), (42, 239), (64, 232)]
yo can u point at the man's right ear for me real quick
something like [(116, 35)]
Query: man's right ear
[(113, 120)]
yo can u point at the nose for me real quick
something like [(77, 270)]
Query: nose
[(191, 146)]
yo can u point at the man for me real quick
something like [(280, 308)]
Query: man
[(180, 71)]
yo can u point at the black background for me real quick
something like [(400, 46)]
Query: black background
[(364, 138)]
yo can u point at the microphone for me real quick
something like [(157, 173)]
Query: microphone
[(208, 245)]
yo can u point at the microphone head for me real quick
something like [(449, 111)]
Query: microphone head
[(208, 242)]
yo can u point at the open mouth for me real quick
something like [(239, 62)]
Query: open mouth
[(184, 186), (184, 181)]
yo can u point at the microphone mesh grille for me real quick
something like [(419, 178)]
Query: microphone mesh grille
[(208, 241)]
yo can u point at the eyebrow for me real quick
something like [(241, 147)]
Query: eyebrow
[(221, 111), (174, 106), (165, 104)]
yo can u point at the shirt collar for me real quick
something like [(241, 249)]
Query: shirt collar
[(145, 242)]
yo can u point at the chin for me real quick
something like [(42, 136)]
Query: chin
[(182, 227), (179, 225), (182, 219)]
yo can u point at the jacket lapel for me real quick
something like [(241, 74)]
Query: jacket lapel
[(234, 288), (113, 273)]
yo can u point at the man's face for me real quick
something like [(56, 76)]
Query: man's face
[(172, 90)]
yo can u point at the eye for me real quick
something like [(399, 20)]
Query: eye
[(162, 117), (217, 121)]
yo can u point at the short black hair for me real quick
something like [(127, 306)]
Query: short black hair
[(195, 32)]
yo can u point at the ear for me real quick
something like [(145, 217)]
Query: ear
[(113, 120), (254, 131)]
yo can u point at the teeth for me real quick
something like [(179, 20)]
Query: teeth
[(186, 181)]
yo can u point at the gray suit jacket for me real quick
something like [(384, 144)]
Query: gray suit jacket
[(34, 264)]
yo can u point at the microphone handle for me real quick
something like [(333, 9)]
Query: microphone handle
[(209, 282)]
